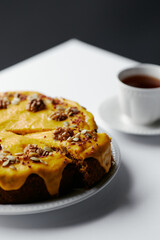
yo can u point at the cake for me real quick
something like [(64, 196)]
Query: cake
[(48, 146)]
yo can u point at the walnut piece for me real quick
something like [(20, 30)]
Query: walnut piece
[(58, 116), (35, 104), (3, 102), (61, 133), (56, 101), (63, 113)]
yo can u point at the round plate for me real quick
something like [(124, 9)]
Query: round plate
[(76, 196), (111, 115)]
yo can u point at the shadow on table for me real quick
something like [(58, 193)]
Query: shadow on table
[(115, 196), (140, 139)]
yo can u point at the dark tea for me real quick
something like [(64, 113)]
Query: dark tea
[(142, 81)]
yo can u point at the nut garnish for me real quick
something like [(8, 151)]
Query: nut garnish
[(5, 151), (3, 102), (35, 104), (22, 97), (4, 164), (62, 133), (71, 111), (60, 108), (19, 154), (13, 167), (48, 149), (69, 139), (17, 98), (15, 101), (8, 159), (66, 124), (58, 116), (35, 159), (77, 134), (83, 131), (76, 139), (44, 162), (2, 154), (11, 158), (73, 126), (33, 154), (56, 101), (33, 150), (34, 96), (63, 113), (88, 135)]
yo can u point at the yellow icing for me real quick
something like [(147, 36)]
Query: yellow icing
[(35, 128)]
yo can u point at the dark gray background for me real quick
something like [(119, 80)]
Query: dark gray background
[(128, 27)]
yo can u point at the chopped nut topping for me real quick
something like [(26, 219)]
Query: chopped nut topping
[(5, 151), (33, 151), (5, 163), (15, 101), (7, 159), (73, 126), (3, 102), (83, 131), (3, 154), (60, 108), (13, 167), (69, 139), (19, 154), (56, 101), (32, 154), (71, 111), (17, 160), (44, 162), (17, 98), (76, 139), (45, 153), (22, 97), (62, 133), (48, 149), (63, 113), (35, 159), (34, 96), (58, 116), (88, 135), (35, 104), (77, 135), (66, 124), (11, 158)]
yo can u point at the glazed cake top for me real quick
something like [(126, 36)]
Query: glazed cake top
[(37, 133)]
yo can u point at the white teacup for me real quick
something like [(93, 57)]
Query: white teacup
[(141, 105)]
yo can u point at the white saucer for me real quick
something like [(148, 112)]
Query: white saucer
[(111, 115)]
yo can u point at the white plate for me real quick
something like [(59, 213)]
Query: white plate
[(111, 115), (76, 196)]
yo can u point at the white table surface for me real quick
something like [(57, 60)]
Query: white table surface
[(129, 208)]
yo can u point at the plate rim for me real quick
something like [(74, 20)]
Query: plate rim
[(52, 205)]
